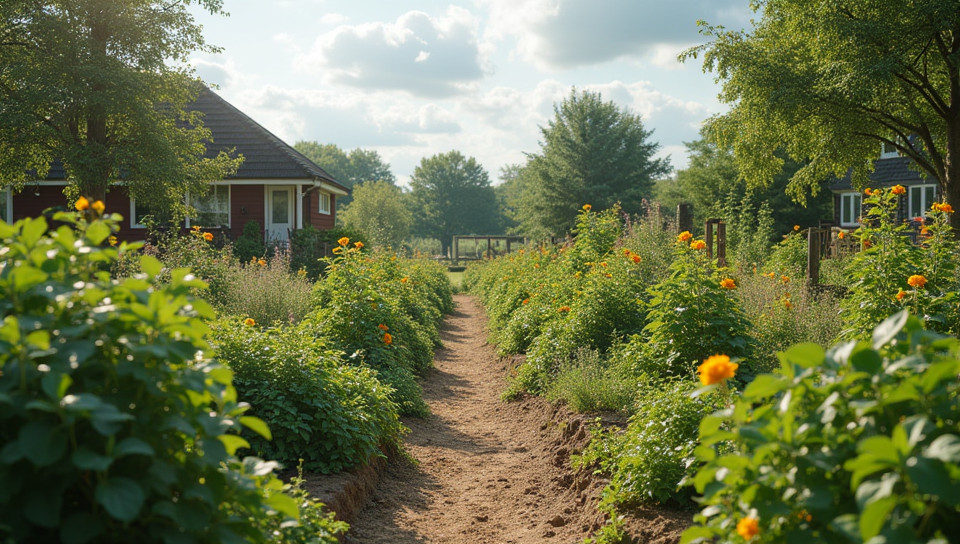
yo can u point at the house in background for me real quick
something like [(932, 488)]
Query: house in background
[(276, 186), (889, 170)]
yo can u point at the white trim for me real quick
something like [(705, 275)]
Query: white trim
[(7, 204), (325, 210), (843, 207), (332, 189), (267, 212), (299, 206), (924, 205)]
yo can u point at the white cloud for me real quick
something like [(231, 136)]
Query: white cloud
[(560, 34), (333, 19), (421, 54)]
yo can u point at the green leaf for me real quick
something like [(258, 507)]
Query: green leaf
[(80, 528), (42, 505), (284, 504), (97, 232), (889, 329), (931, 477), (150, 265), (805, 355), (25, 277), (233, 442), (945, 448), (121, 497), (86, 459), (42, 442), (256, 425), (132, 446), (765, 385), (867, 360), (696, 534), (873, 517)]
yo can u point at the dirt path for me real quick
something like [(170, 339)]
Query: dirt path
[(488, 471)]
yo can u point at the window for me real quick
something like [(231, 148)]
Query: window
[(850, 209), (921, 197), (213, 208), (889, 151), (138, 211), (324, 205), (6, 205)]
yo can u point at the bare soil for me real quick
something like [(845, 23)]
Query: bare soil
[(485, 471)]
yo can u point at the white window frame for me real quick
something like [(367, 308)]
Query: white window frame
[(133, 215), (213, 188), (845, 205), (6, 205), (323, 202), (924, 205)]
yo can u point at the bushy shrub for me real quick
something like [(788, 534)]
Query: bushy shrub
[(858, 444), (309, 246), (267, 291), (328, 414), (589, 383), (199, 251), (648, 460), (249, 245), (114, 424)]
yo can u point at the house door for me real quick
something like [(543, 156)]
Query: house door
[(279, 213)]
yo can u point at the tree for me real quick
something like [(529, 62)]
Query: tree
[(594, 153), (102, 86), (830, 81), (379, 210), (508, 193), (451, 194), (351, 169)]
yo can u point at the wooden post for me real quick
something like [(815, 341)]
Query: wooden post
[(489, 248), (709, 238), (721, 244), (456, 250), (813, 256), (684, 217)]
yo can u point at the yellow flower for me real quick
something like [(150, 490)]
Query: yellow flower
[(98, 207), (841, 234), (82, 204), (898, 190), (698, 244), (343, 241), (195, 228), (684, 236), (112, 239), (796, 228), (748, 528), (249, 322), (917, 281), (728, 283), (338, 250), (208, 236), (404, 279), (716, 369), (262, 262), (770, 275), (587, 207), (603, 264), (358, 244), (387, 338)]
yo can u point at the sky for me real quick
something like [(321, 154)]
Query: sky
[(414, 79)]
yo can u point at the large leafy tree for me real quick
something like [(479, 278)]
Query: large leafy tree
[(380, 212), (102, 86), (451, 194), (593, 152), (353, 168), (828, 81)]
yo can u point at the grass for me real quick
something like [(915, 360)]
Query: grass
[(456, 280)]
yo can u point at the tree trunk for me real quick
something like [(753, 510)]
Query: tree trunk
[(93, 171)]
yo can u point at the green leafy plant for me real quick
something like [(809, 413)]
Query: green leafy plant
[(856, 444), (249, 245), (115, 425), (266, 290)]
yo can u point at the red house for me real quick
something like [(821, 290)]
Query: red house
[(276, 186)]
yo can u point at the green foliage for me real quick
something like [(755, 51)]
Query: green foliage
[(267, 291), (114, 425), (379, 210), (827, 82), (788, 258), (648, 460), (309, 246), (690, 317), (880, 272), (594, 152), (249, 245), (351, 169), (330, 415), (856, 444), (451, 194), (588, 383), (105, 90)]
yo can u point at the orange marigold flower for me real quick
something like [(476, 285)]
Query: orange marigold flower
[(262, 262), (867, 244), (343, 241), (563, 309), (684, 236), (82, 204), (195, 228), (770, 275), (608, 275), (249, 322), (698, 244), (916, 281), (924, 231), (98, 207), (525, 301), (841, 234), (867, 191), (636, 259), (899, 190), (900, 294), (358, 244), (387, 338), (383, 327), (716, 369), (919, 219), (208, 236), (946, 208), (603, 264), (626, 252), (785, 279), (587, 207), (728, 283), (404, 279), (796, 228), (748, 528), (787, 304), (338, 249)]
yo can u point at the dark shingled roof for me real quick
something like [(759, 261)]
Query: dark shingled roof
[(265, 155), (886, 172)]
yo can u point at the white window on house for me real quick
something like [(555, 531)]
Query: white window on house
[(921, 197), (850, 204), (138, 211), (324, 204), (6, 205), (213, 208), (889, 151)]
